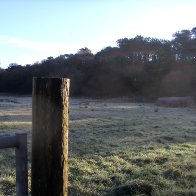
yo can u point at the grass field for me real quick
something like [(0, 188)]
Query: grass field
[(134, 148)]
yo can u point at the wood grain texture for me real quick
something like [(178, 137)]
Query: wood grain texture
[(50, 136)]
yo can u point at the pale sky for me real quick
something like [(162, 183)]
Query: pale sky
[(32, 30)]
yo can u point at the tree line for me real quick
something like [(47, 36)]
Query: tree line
[(139, 67)]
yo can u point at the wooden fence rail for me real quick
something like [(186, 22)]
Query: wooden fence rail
[(19, 142)]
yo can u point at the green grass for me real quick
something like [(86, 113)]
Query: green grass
[(131, 148)]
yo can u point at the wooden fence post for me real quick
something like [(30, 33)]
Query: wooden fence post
[(21, 165), (19, 142), (50, 137)]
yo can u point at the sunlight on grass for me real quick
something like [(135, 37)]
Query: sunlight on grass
[(116, 147), (2, 124)]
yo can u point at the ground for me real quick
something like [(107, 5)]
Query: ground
[(116, 147)]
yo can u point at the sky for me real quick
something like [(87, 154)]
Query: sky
[(32, 30)]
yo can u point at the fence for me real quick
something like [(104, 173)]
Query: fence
[(49, 171), (19, 142)]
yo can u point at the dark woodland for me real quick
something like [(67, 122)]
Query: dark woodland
[(140, 68)]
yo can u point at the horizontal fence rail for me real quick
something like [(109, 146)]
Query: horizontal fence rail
[(19, 142), (8, 142)]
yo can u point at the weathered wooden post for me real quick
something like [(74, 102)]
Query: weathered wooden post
[(50, 137)]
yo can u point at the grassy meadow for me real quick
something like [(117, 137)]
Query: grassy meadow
[(116, 147)]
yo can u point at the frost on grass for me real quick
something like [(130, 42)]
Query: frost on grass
[(116, 146)]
